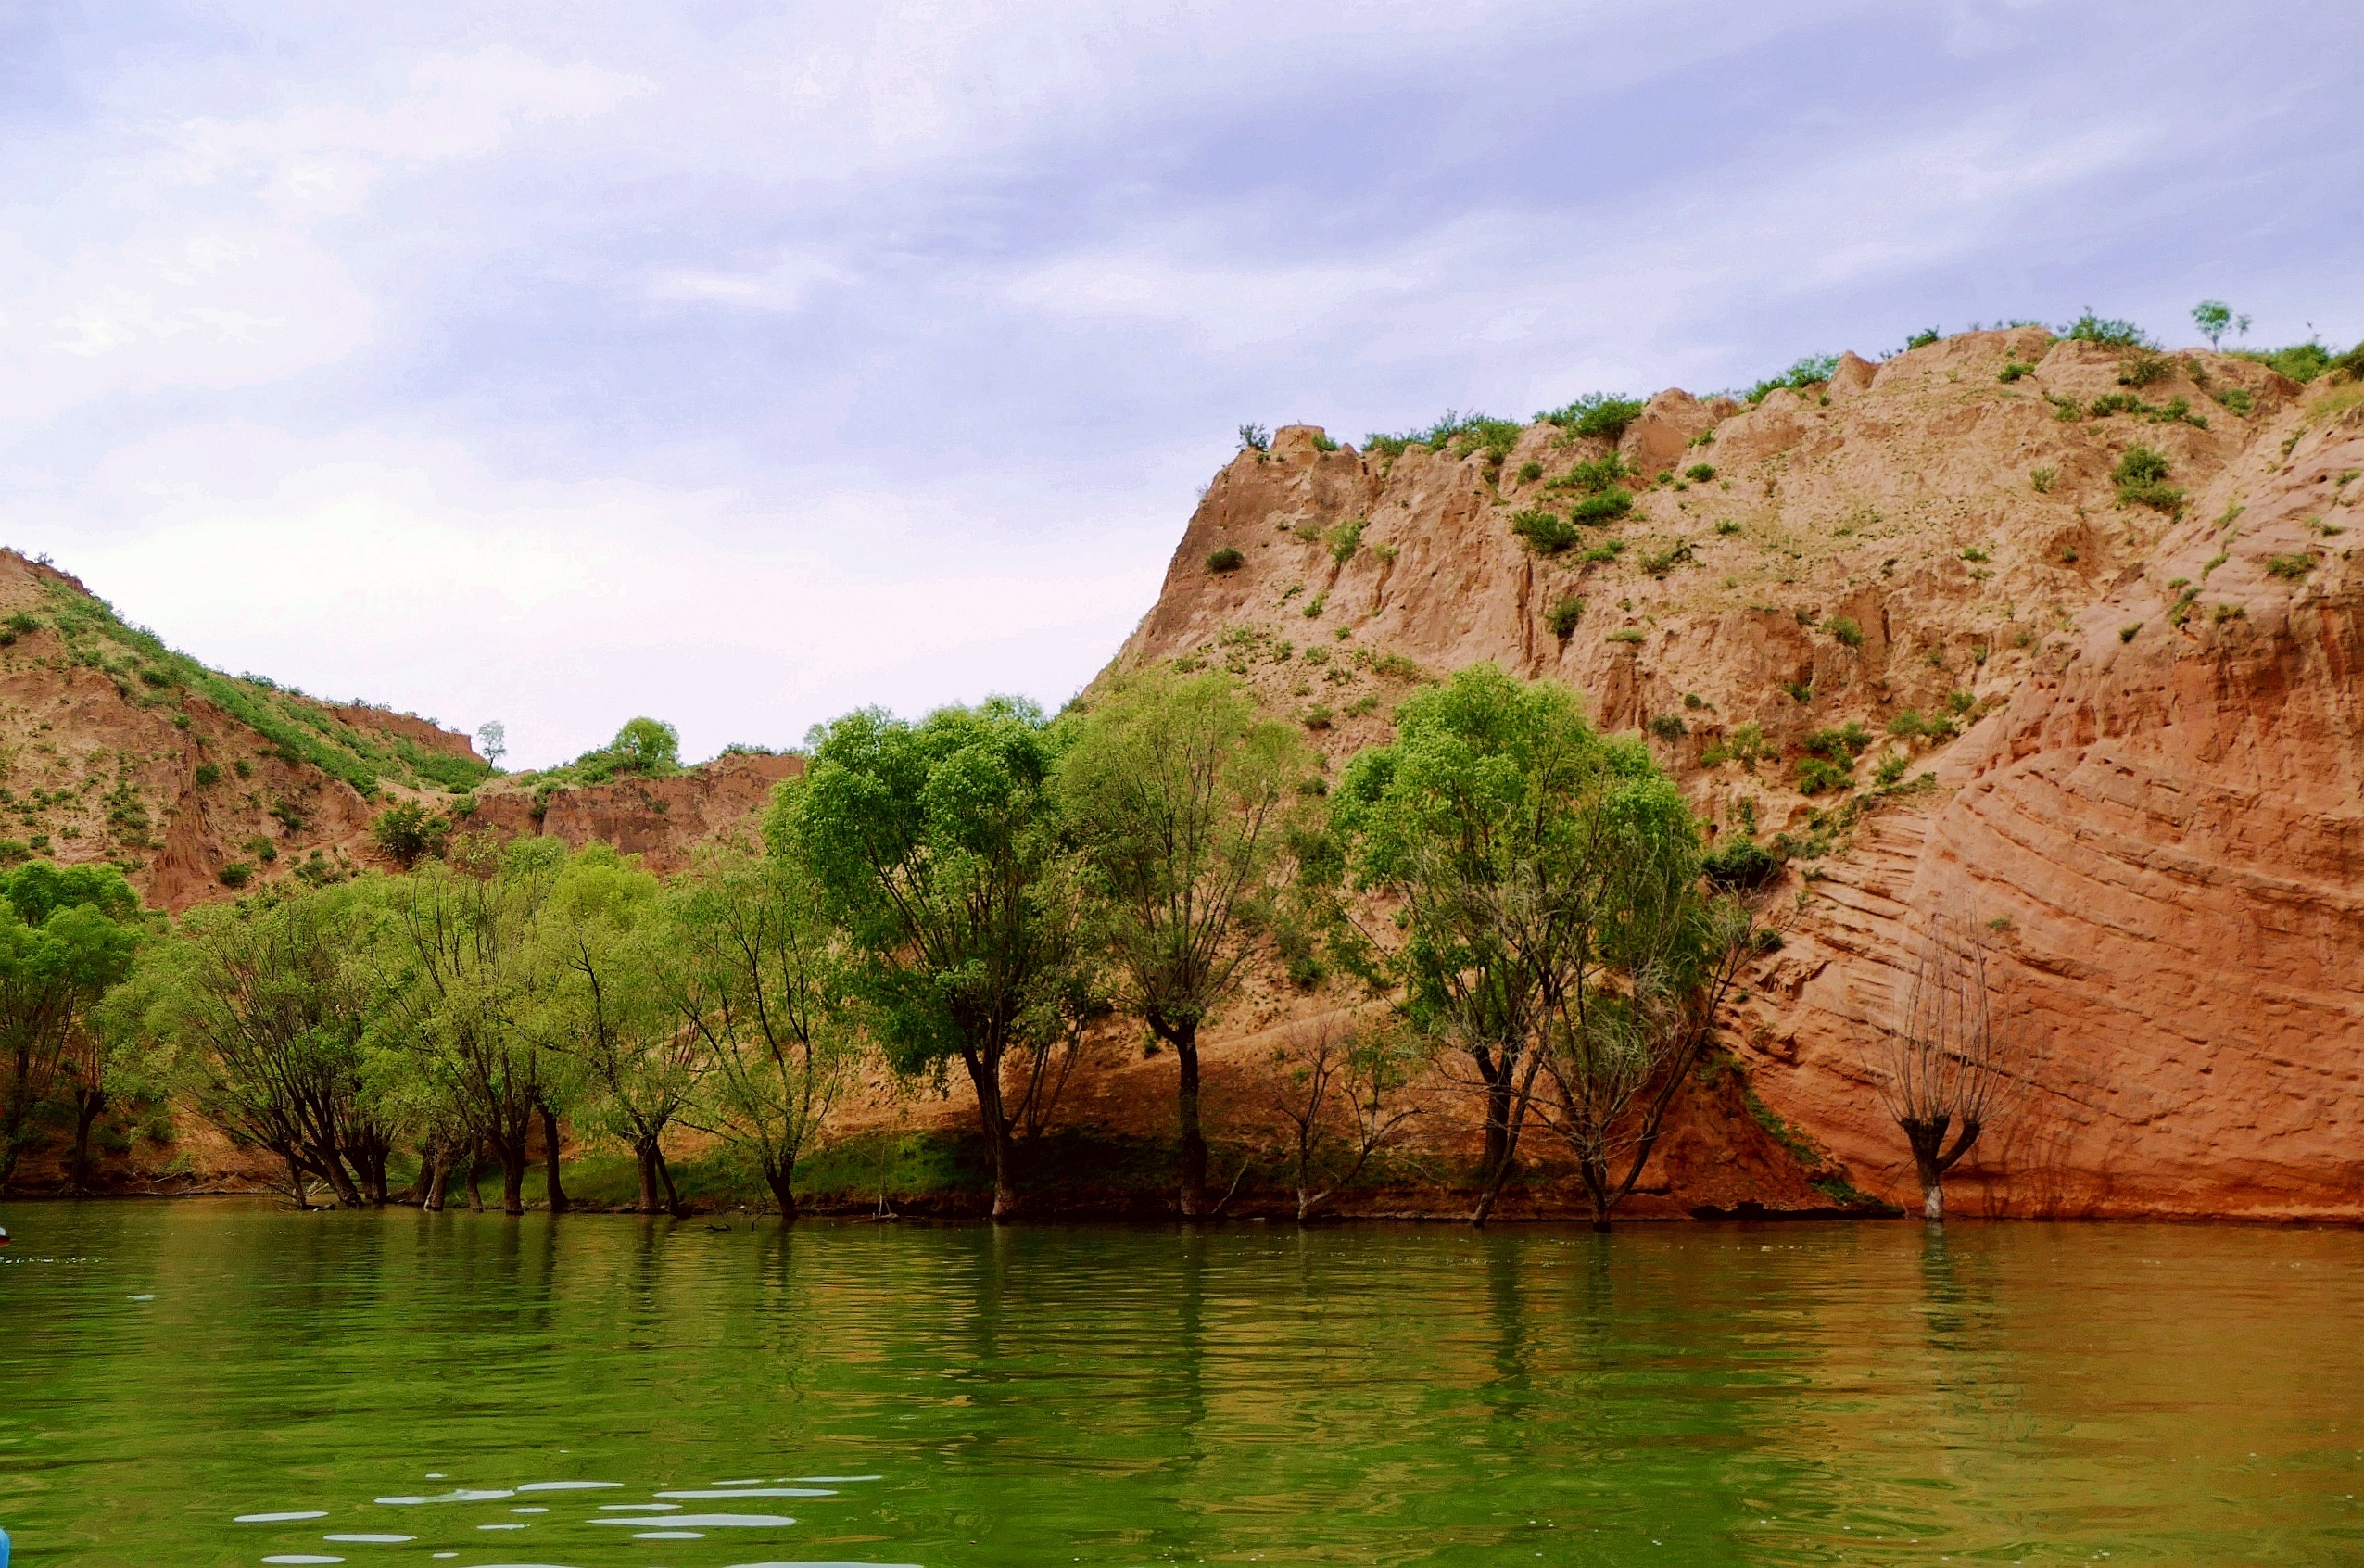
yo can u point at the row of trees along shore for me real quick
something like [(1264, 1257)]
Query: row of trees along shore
[(1525, 903)]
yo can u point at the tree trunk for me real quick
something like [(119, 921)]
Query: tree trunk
[(375, 1150), (432, 1175), (994, 1116), (1597, 1189), (672, 1204), (1513, 1124), (1492, 1194), (1194, 1141), (475, 1181), (19, 1106), (782, 1182), (1004, 1173), (1498, 1115), (550, 1157), (294, 1179), (645, 1152), (512, 1179), (332, 1170), (1932, 1159), (88, 1103)]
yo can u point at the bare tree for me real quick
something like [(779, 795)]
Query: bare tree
[(1946, 1066), (1339, 1086)]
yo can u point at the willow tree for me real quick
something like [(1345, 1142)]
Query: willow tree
[(257, 1016), (1179, 793), (1484, 819), (1946, 1066), (66, 935), (936, 848), (758, 980), (464, 967), (605, 1007)]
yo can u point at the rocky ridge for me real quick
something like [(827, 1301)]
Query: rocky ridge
[(2112, 715)]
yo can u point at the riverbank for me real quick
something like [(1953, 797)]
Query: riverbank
[(942, 1174)]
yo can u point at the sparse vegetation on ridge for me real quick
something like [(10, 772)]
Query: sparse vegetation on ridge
[(301, 730), (1601, 416)]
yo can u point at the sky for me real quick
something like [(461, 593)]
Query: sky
[(741, 365)]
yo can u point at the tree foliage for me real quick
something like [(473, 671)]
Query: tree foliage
[(66, 934), (1179, 793), (758, 980), (1554, 930), (936, 848)]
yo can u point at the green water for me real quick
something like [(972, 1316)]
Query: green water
[(1671, 1395)]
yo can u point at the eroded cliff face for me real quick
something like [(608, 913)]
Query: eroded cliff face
[(2168, 829), (2139, 756), (664, 821)]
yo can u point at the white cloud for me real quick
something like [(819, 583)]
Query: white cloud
[(212, 306), (321, 154), (783, 287)]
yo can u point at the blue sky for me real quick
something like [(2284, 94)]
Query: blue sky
[(741, 365)]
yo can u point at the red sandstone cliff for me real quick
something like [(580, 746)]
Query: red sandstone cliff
[(2154, 803)]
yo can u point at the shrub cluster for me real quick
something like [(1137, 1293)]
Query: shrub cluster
[(1599, 415), (1811, 370), (2108, 332), (1458, 432), (2141, 477)]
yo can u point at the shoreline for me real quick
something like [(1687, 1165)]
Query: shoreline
[(968, 1210)]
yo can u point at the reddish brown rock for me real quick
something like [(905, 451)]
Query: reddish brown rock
[(2160, 822)]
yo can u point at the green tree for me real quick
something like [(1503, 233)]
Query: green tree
[(2215, 318), (1539, 866), (1179, 793), (605, 1010), (465, 968), (935, 847), (758, 978), (257, 1016), (647, 745), (66, 935), (1625, 1037), (406, 832)]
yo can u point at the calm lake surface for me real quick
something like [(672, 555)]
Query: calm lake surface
[(398, 1388)]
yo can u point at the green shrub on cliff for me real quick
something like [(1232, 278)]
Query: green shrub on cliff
[(1602, 416)]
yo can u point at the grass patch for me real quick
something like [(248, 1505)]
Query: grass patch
[(1746, 745), (1225, 560)]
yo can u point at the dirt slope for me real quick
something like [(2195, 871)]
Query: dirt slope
[(200, 786), (2152, 797)]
